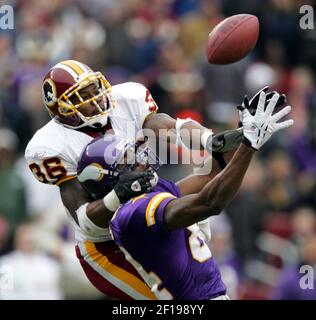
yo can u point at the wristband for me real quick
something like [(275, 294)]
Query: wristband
[(178, 127), (111, 201), (204, 137)]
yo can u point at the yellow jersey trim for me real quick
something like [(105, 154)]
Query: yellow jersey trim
[(153, 205), (62, 180)]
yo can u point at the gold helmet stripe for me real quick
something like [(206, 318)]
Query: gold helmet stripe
[(68, 69), (83, 66), (74, 66)]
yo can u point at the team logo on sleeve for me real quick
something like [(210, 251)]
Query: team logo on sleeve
[(152, 108), (49, 92), (151, 102)]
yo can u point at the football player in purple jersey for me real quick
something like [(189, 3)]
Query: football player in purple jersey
[(157, 230)]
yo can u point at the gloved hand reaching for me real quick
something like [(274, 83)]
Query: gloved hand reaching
[(259, 128), (251, 105)]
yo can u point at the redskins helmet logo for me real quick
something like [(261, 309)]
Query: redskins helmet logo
[(49, 92)]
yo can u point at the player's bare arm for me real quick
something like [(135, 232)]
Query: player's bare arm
[(195, 182), (211, 167), (216, 195), (194, 136), (74, 196), (161, 122)]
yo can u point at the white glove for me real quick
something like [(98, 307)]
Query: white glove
[(259, 128)]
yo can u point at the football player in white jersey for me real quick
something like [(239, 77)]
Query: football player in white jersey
[(83, 106)]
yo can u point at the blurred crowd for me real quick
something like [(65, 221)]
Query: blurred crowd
[(266, 234)]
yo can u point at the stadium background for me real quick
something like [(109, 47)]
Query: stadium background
[(265, 234)]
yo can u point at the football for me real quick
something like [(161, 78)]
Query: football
[(232, 39)]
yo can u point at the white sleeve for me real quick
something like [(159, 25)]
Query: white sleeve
[(134, 104), (146, 103)]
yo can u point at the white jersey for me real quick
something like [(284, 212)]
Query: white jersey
[(53, 152)]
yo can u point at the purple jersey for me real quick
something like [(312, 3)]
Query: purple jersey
[(176, 264)]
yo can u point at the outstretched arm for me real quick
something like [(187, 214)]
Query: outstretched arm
[(194, 183), (215, 196), (164, 127), (192, 134), (195, 136)]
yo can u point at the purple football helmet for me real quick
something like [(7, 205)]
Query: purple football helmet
[(105, 158)]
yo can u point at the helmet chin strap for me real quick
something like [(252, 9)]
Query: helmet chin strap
[(100, 123)]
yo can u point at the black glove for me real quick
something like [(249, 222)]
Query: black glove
[(252, 104), (223, 142), (226, 141), (132, 184)]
